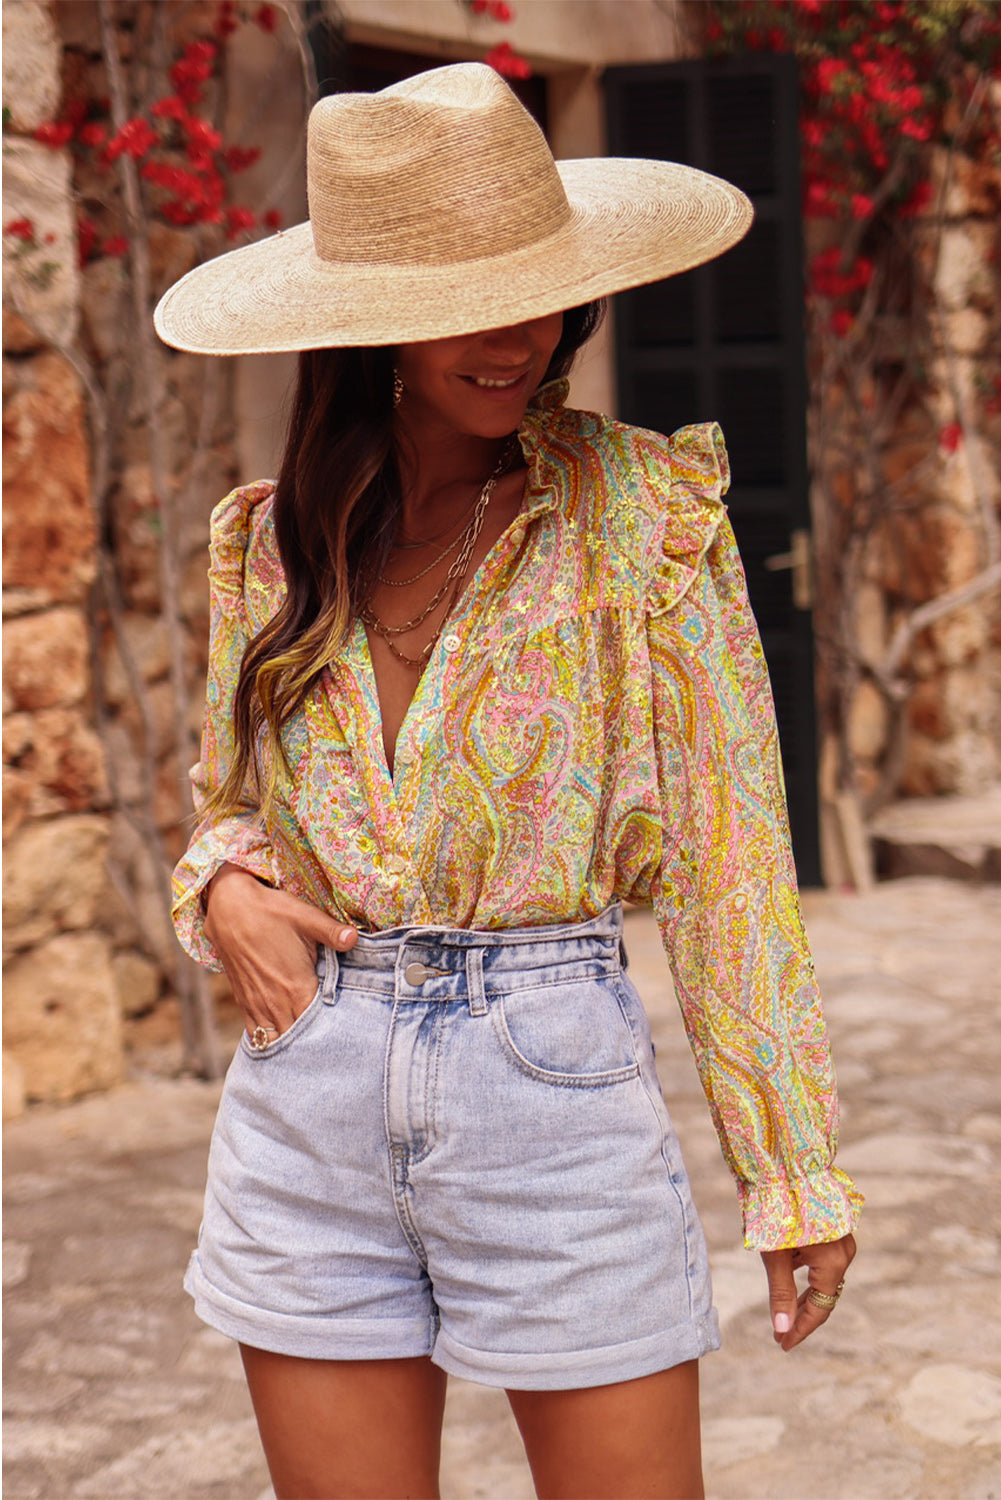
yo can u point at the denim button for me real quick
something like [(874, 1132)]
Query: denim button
[(416, 973)]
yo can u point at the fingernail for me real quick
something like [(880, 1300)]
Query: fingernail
[(345, 933), (782, 1322)]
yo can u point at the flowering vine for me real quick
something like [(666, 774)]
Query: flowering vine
[(183, 157), (898, 100), (501, 56)]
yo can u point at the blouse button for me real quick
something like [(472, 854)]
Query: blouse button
[(396, 864), (451, 643)]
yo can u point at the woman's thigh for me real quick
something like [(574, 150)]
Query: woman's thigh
[(636, 1440), (367, 1429)]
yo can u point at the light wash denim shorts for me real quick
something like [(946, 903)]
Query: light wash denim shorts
[(459, 1150)]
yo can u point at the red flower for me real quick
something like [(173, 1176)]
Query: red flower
[(862, 205), (93, 134), (267, 18), (20, 229), (238, 220), (842, 322), (192, 68), (238, 158), (507, 62), (226, 22), (134, 139), (115, 246), (201, 135), (950, 437), (501, 11), (56, 134), (272, 219), (169, 108), (919, 199)]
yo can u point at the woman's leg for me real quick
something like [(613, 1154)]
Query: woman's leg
[(637, 1440), (366, 1429)]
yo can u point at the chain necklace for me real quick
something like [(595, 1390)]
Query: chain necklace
[(453, 579), (402, 583), (407, 545)]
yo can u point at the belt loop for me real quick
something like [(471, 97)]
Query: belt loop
[(474, 982), (330, 966)]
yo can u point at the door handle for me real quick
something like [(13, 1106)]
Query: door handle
[(800, 559)]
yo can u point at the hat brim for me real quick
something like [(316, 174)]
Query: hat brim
[(632, 222)]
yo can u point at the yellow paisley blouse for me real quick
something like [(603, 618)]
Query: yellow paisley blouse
[(595, 724)]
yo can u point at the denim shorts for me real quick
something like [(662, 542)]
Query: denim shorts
[(460, 1150)]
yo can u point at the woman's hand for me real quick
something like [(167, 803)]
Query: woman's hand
[(795, 1317), (267, 941)]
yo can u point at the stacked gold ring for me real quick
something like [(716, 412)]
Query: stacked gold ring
[(825, 1300)]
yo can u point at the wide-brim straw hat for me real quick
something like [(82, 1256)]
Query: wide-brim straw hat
[(436, 208)]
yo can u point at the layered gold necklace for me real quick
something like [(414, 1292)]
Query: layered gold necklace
[(463, 546)]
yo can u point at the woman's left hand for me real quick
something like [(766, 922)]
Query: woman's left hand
[(794, 1315)]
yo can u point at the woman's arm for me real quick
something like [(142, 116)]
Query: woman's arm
[(228, 911)]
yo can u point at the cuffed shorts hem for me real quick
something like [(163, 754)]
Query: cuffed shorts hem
[(578, 1368), (319, 1337)]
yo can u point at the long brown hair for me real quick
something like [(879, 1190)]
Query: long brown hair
[(336, 503)]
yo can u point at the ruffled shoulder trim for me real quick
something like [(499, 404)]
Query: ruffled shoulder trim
[(699, 475), (246, 572)]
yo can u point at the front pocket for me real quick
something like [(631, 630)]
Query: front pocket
[(571, 1034), (303, 1020)]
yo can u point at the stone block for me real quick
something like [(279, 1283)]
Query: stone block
[(18, 336), (41, 278), (137, 983), (46, 660), (62, 759), (145, 919), (55, 879), (49, 529), (144, 640), (31, 53), (61, 1017), (13, 1099)]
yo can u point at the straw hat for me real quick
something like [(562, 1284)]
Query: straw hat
[(435, 209)]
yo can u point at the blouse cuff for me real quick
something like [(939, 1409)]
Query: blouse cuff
[(787, 1212), (188, 910)]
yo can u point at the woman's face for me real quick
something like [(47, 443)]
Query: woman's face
[(476, 384)]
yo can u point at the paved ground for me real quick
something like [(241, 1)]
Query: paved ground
[(113, 1390)]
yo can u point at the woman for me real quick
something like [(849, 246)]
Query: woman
[(481, 668)]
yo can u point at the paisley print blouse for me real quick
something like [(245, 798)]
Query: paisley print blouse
[(595, 724)]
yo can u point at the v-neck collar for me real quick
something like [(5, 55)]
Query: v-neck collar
[(541, 495)]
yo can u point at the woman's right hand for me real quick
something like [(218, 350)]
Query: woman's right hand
[(268, 942)]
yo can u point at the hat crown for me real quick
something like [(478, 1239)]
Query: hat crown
[(444, 167)]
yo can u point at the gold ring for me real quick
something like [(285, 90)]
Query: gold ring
[(259, 1036), (825, 1300)]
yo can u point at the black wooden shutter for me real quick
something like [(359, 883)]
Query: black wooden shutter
[(726, 342)]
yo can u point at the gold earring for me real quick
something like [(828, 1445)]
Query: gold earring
[(398, 388)]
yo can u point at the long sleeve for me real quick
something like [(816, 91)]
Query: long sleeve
[(240, 838), (725, 894)]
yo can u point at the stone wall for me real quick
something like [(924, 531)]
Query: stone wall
[(95, 748), (944, 526)]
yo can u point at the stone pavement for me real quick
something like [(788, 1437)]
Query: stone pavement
[(114, 1391)]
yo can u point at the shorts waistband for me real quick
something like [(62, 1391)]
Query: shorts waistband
[(442, 963)]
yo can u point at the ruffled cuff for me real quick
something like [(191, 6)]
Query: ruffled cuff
[(192, 876), (786, 1212), (700, 477)]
